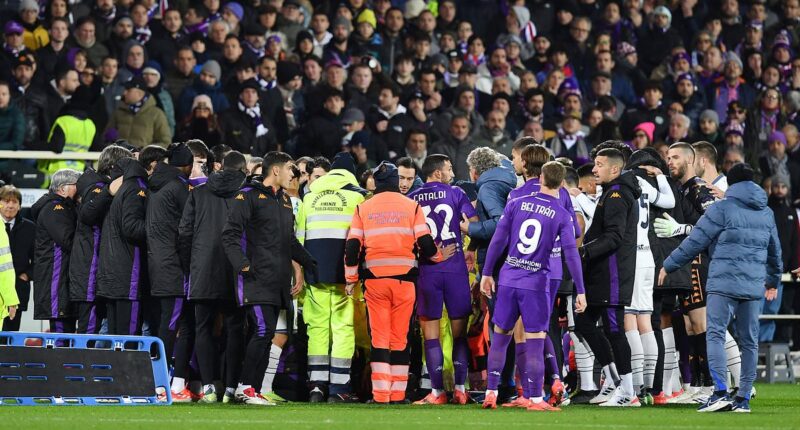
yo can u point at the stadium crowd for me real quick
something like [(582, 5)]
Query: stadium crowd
[(530, 204)]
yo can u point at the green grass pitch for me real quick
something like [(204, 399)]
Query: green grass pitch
[(776, 407)]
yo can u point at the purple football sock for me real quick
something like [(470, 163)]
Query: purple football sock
[(460, 360), (550, 361), (497, 359), (534, 349), (434, 361), (519, 349)]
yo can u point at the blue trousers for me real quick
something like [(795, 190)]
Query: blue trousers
[(719, 312)]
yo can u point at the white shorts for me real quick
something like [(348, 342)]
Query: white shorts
[(642, 299), (282, 326)]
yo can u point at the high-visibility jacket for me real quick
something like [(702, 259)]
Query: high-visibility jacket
[(323, 220), (78, 136), (388, 227), (8, 291)]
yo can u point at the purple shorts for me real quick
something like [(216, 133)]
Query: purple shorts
[(553, 284), (534, 306), (437, 289)]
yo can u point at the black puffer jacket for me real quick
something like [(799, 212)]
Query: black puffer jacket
[(55, 227), (169, 189), (200, 237), (610, 243), (123, 262), (259, 234), (85, 257), (239, 131)]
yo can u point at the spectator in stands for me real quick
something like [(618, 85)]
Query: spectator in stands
[(457, 145), (763, 118), (35, 35), (137, 119), (776, 162), (85, 36), (181, 74), (786, 224), (152, 76), (730, 87), (493, 134), (245, 127), (31, 101), (21, 235), (12, 124), (209, 83), (54, 51), (201, 124), (323, 133)]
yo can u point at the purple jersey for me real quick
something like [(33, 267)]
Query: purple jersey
[(527, 233), (532, 186), (443, 205)]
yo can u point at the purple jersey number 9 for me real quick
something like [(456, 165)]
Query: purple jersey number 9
[(528, 244)]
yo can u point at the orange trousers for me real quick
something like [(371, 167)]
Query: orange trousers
[(390, 303)]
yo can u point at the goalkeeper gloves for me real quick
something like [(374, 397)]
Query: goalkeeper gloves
[(668, 227)]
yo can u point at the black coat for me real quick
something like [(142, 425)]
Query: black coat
[(200, 237), (610, 243), (21, 240), (169, 190), (322, 135), (786, 222), (123, 262), (55, 227), (33, 104), (85, 257), (239, 131), (259, 234)]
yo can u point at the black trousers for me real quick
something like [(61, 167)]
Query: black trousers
[(90, 317), (205, 315), (124, 317), (262, 320), (611, 339), (176, 329), (13, 325)]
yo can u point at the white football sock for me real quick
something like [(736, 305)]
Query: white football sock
[(650, 347), (637, 357), (275, 352), (670, 360), (584, 360), (734, 357), (178, 384)]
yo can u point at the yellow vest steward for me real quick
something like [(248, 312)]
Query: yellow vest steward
[(78, 136), (324, 218), (8, 291)]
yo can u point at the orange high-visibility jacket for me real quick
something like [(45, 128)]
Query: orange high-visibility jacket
[(387, 226)]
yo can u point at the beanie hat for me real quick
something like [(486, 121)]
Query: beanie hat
[(739, 173), (180, 155), (663, 10), (777, 136), (731, 56), (367, 16), (202, 99), (28, 5), (648, 128), (82, 98), (344, 160), (710, 115), (386, 176), (153, 67), (212, 68), (414, 8), (340, 20), (624, 49), (235, 9), (288, 71)]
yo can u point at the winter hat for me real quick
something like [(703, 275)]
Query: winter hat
[(301, 36), (569, 86), (663, 10), (82, 98), (28, 5), (288, 71), (414, 8), (685, 77), (777, 136), (202, 100), (739, 173), (235, 9), (624, 49), (734, 128), (710, 115), (340, 20), (523, 15), (386, 176), (360, 138), (681, 56), (13, 27), (180, 155), (367, 16), (135, 82), (212, 68), (731, 56), (648, 128), (352, 115), (250, 83), (344, 160), (152, 67)]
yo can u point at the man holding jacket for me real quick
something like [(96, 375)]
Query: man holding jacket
[(322, 223), (740, 235), (260, 243)]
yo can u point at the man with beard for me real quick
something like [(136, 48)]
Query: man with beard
[(31, 100), (493, 134), (181, 73), (53, 52), (697, 198), (167, 39), (338, 49)]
